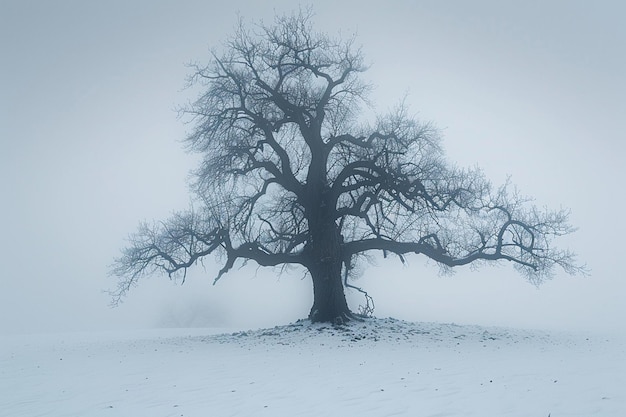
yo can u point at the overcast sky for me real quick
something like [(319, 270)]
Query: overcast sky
[(89, 146)]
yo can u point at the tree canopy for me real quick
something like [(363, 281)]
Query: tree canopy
[(293, 173)]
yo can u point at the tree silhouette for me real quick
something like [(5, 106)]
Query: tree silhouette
[(291, 173)]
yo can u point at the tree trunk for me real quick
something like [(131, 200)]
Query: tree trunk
[(329, 300), (324, 249)]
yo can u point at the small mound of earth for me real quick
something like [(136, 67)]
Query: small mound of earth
[(376, 330)]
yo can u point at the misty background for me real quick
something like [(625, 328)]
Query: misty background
[(90, 146)]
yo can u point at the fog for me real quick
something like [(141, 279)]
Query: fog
[(90, 146)]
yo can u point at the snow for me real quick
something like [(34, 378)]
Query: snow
[(378, 367)]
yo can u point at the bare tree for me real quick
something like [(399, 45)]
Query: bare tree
[(292, 174)]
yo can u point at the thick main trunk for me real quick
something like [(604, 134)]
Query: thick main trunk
[(325, 255), (329, 300), (324, 249)]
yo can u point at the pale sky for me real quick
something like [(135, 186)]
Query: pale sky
[(89, 146)]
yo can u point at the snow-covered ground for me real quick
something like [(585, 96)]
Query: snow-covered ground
[(380, 367)]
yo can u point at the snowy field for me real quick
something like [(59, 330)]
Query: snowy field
[(380, 367)]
